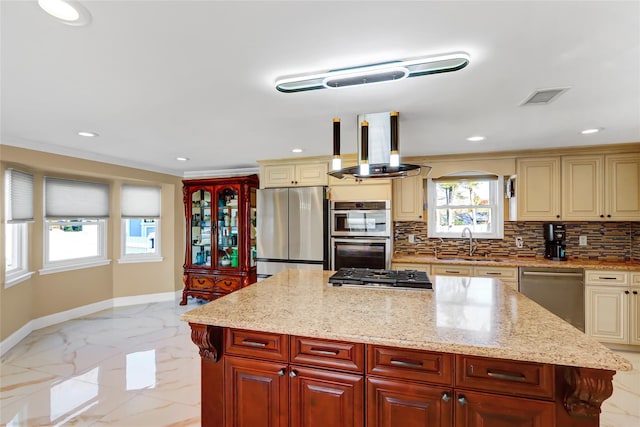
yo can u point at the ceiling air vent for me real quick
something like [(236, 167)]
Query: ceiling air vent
[(543, 96)]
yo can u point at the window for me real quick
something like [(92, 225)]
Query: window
[(75, 226), (140, 211), (19, 211), (457, 202)]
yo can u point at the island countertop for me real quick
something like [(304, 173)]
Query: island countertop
[(463, 315)]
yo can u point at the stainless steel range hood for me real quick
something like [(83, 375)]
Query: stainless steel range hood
[(379, 152)]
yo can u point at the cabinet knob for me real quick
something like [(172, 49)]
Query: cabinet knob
[(446, 397), (601, 216), (609, 216), (635, 292), (626, 292), (557, 216), (462, 400), (293, 374), (281, 372)]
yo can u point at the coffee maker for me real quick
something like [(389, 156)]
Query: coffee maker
[(555, 237)]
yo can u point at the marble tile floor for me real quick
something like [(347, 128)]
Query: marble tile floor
[(136, 366)]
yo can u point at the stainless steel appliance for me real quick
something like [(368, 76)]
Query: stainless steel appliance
[(361, 219), (361, 234), (555, 239), (559, 290), (292, 230), (367, 277)]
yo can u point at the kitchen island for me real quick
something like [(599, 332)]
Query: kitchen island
[(295, 351)]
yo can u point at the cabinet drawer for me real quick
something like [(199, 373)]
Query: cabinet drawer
[(451, 270), (227, 283), (635, 278), (504, 376), (327, 353), (256, 344), (606, 277), (505, 273), (201, 283), (416, 365)]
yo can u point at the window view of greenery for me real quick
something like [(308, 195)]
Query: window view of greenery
[(464, 203), (140, 236), (73, 239)]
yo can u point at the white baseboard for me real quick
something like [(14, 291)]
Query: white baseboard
[(63, 316)]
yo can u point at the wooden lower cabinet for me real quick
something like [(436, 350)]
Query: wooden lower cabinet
[(260, 379), (256, 393), (473, 409), (392, 403), (320, 398)]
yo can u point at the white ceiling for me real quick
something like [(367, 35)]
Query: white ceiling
[(161, 79)]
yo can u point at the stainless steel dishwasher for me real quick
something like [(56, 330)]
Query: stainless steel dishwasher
[(559, 290)]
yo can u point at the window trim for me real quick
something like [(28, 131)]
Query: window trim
[(143, 257), (21, 250), (497, 196), (75, 263)]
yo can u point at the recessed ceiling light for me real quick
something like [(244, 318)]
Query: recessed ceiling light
[(69, 12), (590, 131), (182, 159), (475, 138), (88, 134), (297, 150)]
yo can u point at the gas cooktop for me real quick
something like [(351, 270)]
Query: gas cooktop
[(410, 279)]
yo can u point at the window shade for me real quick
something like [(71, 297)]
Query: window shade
[(19, 196), (64, 198), (140, 201)]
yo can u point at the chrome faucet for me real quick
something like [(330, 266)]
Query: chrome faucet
[(472, 246)]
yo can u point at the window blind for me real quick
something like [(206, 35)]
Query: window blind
[(65, 198), (19, 196), (140, 201)]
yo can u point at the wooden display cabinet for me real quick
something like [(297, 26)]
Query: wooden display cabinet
[(220, 255)]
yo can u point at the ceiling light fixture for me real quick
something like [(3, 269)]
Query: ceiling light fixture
[(475, 138), (88, 134), (69, 12), (182, 159), (374, 73), (590, 131), (378, 155), (296, 150)]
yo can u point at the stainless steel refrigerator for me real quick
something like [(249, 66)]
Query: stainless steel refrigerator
[(292, 230)]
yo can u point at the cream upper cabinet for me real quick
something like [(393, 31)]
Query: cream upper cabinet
[(582, 188), (538, 188), (622, 180), (293, 174), (599, 187), (408, 199)]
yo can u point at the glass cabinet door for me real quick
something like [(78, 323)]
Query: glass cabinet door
[(228, 236), (253, 252), (201, 228)]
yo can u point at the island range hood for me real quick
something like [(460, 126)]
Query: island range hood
[(378, 156)]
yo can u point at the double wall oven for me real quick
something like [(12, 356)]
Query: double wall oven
[(360, 234)]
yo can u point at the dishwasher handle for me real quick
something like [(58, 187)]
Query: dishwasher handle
[(550, 274)]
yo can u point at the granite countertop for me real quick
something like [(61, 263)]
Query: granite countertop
[(473, 316), (519, 262)]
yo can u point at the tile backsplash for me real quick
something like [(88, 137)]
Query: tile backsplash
[(614, 241)]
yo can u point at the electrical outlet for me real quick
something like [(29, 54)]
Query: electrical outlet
[(519, 242), (412, 238), (583, 240)]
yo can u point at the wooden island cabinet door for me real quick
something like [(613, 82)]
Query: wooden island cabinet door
[(392, 403), (321, 398), (256, 393), (490, 410)]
